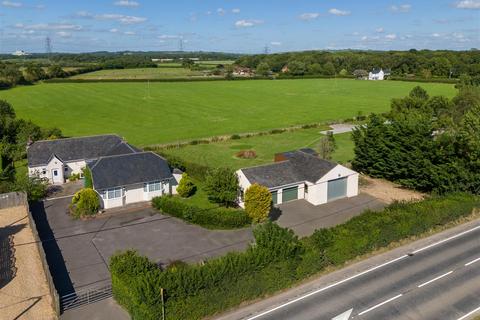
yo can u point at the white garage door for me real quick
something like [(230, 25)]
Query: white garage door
[(337, 189)]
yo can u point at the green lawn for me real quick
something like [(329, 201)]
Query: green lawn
[(143, 73), (222, 154), (165, 112)]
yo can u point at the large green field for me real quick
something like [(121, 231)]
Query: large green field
[(165, 112), (223, 154)]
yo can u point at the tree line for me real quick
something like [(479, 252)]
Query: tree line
[(426, 143), (15, 135), (424, 64)]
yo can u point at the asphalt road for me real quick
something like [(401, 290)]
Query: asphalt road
[(435, 282)]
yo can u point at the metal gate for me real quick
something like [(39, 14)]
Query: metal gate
[(80, 298)]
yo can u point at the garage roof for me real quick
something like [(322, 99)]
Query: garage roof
[(299, 166)]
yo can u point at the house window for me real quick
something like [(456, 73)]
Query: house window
[(114, 193), (66, 169), (44, 171), (152, 186)]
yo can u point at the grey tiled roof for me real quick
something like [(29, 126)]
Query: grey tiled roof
[(123, 170), (83, 148), (302, 165)]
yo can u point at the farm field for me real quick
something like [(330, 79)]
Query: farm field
[(141, 73), (167, 112), (223, 154)]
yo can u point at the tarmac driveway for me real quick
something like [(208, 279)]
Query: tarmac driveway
[(78, 251), (304, 218)]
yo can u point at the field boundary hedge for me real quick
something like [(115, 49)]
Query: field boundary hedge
[(211, 218), (433, 80), (276, 261)]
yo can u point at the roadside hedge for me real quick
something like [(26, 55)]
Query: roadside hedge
[(216, 218), (277, 260)]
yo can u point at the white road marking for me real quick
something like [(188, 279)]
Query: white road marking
[(326, 288), (472, 262), (469, 314), (447, 239), (435, 279), (380, 304), (344, 316), (358, 275)]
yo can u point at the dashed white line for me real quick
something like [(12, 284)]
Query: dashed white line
[(471, 262), (435, 279), (469, 314), (380, 304)]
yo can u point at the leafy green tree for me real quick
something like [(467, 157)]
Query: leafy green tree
[(297, 68), (315, 68), (35, 187), (327, 146), (55, 71), (281, 243), (221, 185), (263, 69), (329, 69), (85, 203), (11, 74), (258, 202), (186, 187), (419, 93), (34, 72)]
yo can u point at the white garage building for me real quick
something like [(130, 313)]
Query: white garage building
[(301, 174)]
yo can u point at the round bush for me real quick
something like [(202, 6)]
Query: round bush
[(85, 203), (186, 187)]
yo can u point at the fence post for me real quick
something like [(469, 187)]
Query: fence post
[(163, 304)]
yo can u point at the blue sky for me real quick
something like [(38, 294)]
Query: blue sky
[(238, 25)]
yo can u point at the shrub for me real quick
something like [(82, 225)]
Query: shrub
[(87, 175), (221, 185), (74, 177), (85, 203), (35, 187), (235, 137), (246, 154), (258, 202), (186, 187), (216, 218)]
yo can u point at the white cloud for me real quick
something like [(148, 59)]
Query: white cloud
[(208, 13), (309, 16), (275, 43), (247, 23), (338, 12), (12, 4), (468, 4), (235, 10), (221, 11), (127, 3), (167, 37), (401, 8), (435, 35), (64, 34), (391, 36), (113, 30), (124, 19), (380, 30), (129, 33), (50, 26)]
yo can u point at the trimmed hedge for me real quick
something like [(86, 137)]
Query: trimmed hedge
[(276, 261), (216, 218)]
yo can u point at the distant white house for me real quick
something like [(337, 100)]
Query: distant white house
[(20, 53), (300, 174), (378, 74)]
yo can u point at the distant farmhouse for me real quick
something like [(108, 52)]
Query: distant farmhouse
[(121, 174), (301, 174), (378, 74)]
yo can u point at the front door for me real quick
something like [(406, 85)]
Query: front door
[(56, 176)]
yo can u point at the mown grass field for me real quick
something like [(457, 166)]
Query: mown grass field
[(166, 112), (221, 154), (141, 73)]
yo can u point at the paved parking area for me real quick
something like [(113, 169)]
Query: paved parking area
[(304, 218), (79, 251)]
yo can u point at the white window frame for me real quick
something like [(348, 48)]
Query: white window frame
[(152, 186), (113, 193)]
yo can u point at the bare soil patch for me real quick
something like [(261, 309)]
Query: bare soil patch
[(387, 191)]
